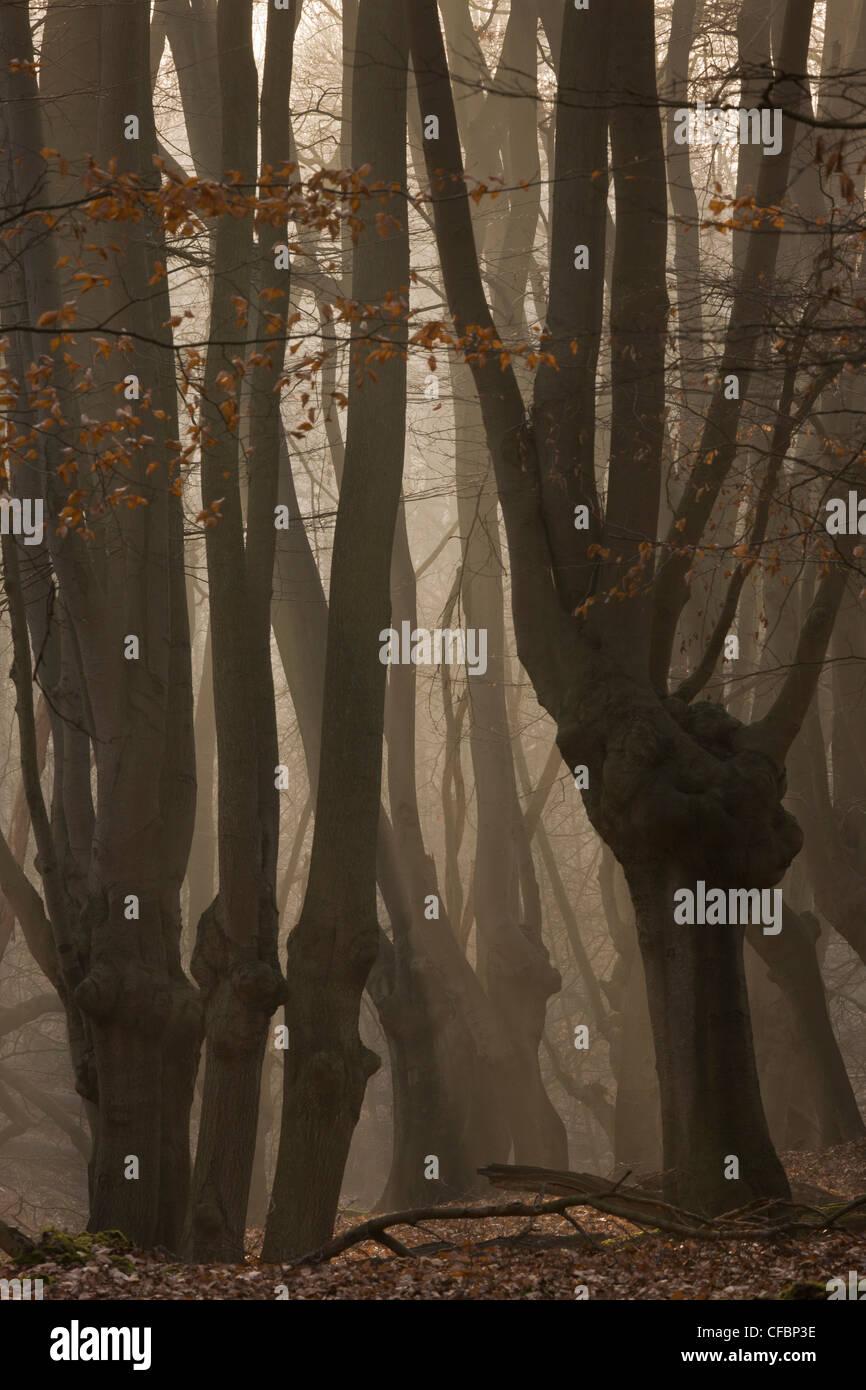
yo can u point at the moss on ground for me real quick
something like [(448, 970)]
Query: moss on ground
[(59, 1247)]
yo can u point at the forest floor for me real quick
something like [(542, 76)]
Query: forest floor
[(611, 1259)]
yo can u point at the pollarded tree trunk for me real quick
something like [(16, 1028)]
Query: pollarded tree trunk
[(112, 873), (679, 794), (144, 1014), (333, 947), (711, 1107), (30, 575)]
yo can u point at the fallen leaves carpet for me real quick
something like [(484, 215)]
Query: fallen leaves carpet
[(500, 1258)]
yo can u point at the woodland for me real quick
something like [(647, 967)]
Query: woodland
[(433, 648)]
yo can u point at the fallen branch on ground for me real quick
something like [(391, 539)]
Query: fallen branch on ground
[(764, 1217), (759, 1220), (376, 1227)]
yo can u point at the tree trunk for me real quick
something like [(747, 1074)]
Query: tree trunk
[(513, 963), (444, 1073), (333, 947), (711, 1109), (235, 959), (793, 965), (665, 781), (112, 873)]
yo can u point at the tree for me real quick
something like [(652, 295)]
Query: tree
[(112, 870), (333, 947), (235, 960), (680, 791)]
